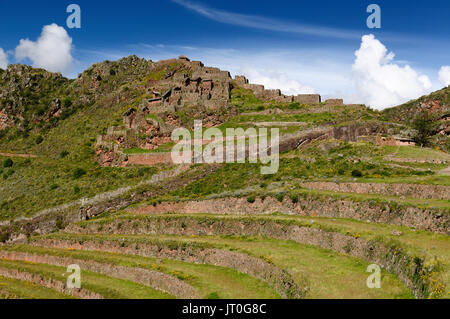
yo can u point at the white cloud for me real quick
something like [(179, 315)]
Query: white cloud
[(380, 82), (264, 23), (3, 59), (51, 51), (444, 75), (273, 79)]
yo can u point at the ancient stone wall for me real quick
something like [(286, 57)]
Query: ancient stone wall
[(334, 102), (407, 267), (279, 279), (426, 219), (155, 279), (403, 190), (275, 95)]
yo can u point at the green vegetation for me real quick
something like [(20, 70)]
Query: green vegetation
[(108, 287), (207, 279), (18, 289), (35, 182), (328, 274), (59, 147), (425, 126)]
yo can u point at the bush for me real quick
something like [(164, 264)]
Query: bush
[(280, 197), (53, 186), (251, 199), (112, 72), (294, 198), (39, 140), (67, 102), (8, 163), (4, 236), (213, 295), (356, 173), (63, 154), (76, 189), (78, 172)]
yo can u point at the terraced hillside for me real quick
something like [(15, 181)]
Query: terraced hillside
[(97, 188)]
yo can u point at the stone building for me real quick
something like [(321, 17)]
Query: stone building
[(275, 95)]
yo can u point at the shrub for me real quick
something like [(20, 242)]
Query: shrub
[(60, 223), (356, 173), (8, 163), (63, 154), (213, 295), (53, 186), (76, 189), (67, 102), (280, 197), (294, 198), (78, 172), (39, 139), (112, 72), (251, 199), (4, 236)]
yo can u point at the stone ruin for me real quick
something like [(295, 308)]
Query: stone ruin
[(207, 86), (275, 95), (183, 83)]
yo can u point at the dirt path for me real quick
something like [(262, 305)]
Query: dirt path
[(18, 155)]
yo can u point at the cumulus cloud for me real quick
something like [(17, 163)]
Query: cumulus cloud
[(51, 51), (3, 59), (380, 81), (444, 75), (273, 79)]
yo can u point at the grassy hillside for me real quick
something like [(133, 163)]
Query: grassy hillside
[(348, 193)]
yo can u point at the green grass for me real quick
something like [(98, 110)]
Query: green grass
[(329, 274), (108, 287), (42, 183), (167, 147), (233, 177), (317, 118), (26, 290), (136, 150), (414, 202), (417, 241), (434, 248), (207, 279), (38, 183), (415, 152)]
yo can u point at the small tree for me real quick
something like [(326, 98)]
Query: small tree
[(425, 128)]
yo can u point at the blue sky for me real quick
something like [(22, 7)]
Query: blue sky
[(298, 45)]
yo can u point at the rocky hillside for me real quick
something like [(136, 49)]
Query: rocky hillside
[(434, 107), (436, 103)]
